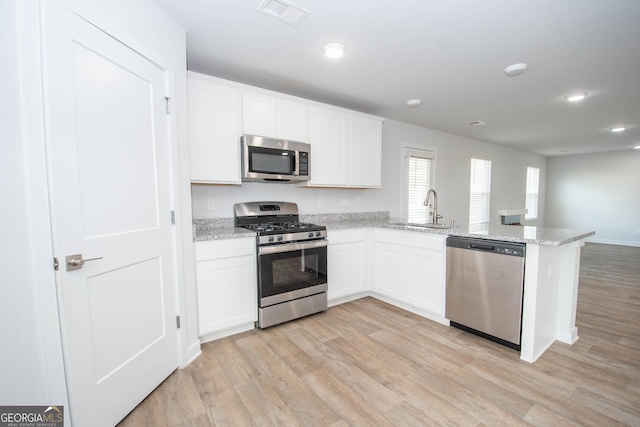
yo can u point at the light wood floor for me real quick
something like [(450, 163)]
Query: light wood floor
[(367, 363)]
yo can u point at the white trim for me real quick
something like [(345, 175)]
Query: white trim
[(613, 242), (405, 149), (46, 297), (227, 332)]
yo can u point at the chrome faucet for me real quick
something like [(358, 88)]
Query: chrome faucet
[(433, 209)]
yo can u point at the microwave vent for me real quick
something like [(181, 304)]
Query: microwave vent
[(284, 11)]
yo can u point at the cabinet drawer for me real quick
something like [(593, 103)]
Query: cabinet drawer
[(344, 236), (225, 248), (416, 239)]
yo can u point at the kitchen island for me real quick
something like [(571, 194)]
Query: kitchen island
[(552, 267)]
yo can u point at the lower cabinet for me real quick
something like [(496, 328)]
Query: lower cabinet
[(409, 268), (227, 290), (347, 262)]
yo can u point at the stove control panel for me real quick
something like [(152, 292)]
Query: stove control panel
[(269, 208)]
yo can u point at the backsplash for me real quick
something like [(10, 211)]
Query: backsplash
[(202, 225), (347, 216)]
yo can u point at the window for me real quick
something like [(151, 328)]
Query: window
[(480, 191), (533, 187), (419, 168)]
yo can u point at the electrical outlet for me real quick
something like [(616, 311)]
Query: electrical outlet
[(320, 202), (211, 204), (358, 201), (344, 202), (637, 230)]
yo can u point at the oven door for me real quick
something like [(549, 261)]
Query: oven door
[(291, 271)]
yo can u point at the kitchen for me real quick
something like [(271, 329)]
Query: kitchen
[(333, 200)]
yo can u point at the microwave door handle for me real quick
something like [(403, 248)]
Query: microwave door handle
[(296, 170)]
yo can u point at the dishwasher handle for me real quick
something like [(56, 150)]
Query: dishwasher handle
[(486, 248)]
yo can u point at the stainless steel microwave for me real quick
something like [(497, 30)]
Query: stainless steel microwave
[(274, 160)]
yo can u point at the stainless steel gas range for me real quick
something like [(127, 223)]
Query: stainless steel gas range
[(291, 260)]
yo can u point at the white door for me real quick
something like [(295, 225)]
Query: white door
[(111, 198)]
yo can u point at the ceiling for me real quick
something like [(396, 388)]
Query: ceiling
[(449, 53)]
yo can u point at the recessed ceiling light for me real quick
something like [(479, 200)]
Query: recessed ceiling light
[(618, 129), (575, 97), (476, 123), (516, 69), (636, 147), (334, 49), (413, 103)]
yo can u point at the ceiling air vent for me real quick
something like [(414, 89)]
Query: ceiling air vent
[(283, 11), (476, 123)]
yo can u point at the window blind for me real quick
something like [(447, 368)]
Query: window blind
[(419, 181), (533, 188), (480, 191)]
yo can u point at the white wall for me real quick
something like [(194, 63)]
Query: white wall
[(454, 153), (310, 200), (596, 192), (452, 181)]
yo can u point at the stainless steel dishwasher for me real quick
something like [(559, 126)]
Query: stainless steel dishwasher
[(485, 283)]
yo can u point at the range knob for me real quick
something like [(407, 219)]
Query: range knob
[(317, 234), (271, 239), (310, 234), (279, 239)]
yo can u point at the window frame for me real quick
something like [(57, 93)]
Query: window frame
[(480, 225), (406, 149), (537, 194)]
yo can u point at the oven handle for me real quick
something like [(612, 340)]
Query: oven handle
[(287, 247)]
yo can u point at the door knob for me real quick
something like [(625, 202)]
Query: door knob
[(75, 262)]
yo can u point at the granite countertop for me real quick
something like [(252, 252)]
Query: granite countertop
[(217, 229), (222, 228)]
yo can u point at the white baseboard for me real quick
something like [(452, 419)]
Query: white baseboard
[(227, 332), (613, 242), (192, 354), (342, 300)]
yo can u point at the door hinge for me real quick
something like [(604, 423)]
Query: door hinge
[(173, 217), (56, 264), (178, 321), (168, 101)]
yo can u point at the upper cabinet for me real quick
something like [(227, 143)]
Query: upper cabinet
[(275, 117), (345, 148), (328, 135), (364, 154), (214, 130), (345, 145)]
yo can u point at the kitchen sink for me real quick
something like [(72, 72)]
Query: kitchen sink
[(429, 225)]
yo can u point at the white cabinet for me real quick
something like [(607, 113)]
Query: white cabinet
[(364, 154), (214, 130), (227, 290), (347, 263), (409, 267), (425, 279), (345, 145), (328, 139), (388, 261), (275, 117), (345, 148)]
